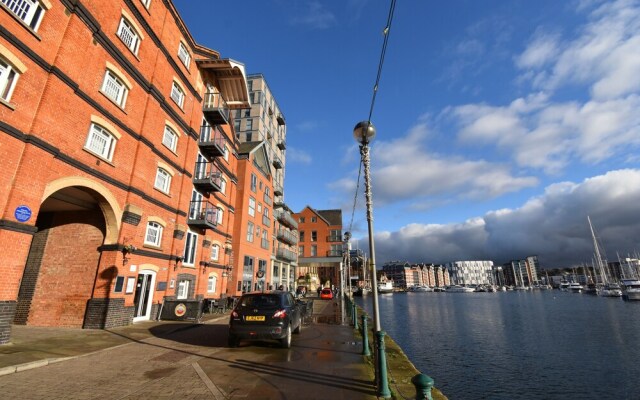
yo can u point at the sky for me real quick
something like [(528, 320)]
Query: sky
[(501, 125)]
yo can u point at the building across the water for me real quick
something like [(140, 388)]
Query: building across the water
[(471, 272)]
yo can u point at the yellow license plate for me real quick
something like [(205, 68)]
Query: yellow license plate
[(255, 318)]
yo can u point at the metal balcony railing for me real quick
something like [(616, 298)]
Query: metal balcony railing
[(266, 221), (277, 162), (207, 177), (277, 189), (211, 142), (282, 144), (334, 239), (267, 199), (285, 218), (334, 253), (202, 214), (215, 108), (286, 254), (287, 237)]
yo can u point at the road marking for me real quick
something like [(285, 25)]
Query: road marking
[(215, 391)]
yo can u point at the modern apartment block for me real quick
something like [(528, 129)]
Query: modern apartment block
[(121, 168), (471, 272), (320, 246), (264, 124), (406, 275), (522, 272)]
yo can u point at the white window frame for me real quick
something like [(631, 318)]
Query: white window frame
[(170, 138), (190, 248), (215, 252), (219, 216), (8, 79), (250, 232), (99, 133), (128, 35), (30, 12), (163, 180), (184, 55), (183, 290), (177, 94), (226, 153), (252, 206), (146, 3), (212, 282), (114, 88), (223, 185), (153, 235)]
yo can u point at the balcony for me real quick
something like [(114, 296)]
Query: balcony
[(266, 221), (267, 199), (277, 189), (215, 108), (202, 214), (282, 144), (207, 177), (277, 162), (287, 237), (286, 254), (280, 119), (286, 219), (334, 239), (334, 253), (211, 142)]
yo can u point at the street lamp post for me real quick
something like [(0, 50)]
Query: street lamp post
[(347, 249), (364, 132)]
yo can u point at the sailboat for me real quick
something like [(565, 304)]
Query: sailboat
[(607, 288)]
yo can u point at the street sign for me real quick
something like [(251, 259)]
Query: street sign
[(22, 213)]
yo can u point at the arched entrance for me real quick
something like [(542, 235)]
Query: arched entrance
[(60, 273)]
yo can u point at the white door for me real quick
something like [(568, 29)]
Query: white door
[(144, 294)]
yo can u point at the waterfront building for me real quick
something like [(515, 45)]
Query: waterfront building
[(406, 275), (120, 163), (523, 272), (470, 272), (532, 269), (320, 246), (264, 123)]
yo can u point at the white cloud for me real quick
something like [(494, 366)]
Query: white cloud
[(296, 155), (540, 51), (315, 16), (552, 226)]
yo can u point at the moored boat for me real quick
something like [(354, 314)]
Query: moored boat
[(575, 287), (631, 289), (419, 288), (459, 289), (385, 287), (610, 290)]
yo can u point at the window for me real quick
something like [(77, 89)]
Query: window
[(183, 55), (314, 219), (252, 206), (301, 236), (236, 125), (248, 136), (301, 220), (154, 234), (183, 290), (114, 88), (314, 236), (128, 35), (212, 283), (177, 94), (226, 153), (314, 250), (196, 204), (215, 252), (250, 232), (8, 79), (190, 248), (265, 239), (29, 11), (100, 142), (170, 138), (249, 124), (223, 185), (250, 86), (301, 251), (146, 3), (219, 216), (163, 180), (254, 182), (259, 208), (266, 212)]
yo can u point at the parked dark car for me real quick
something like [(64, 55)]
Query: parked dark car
[(270, 315)]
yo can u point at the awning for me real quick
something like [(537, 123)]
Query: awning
[(231, 80)]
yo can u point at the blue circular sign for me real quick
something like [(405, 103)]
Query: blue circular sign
[(22, 213)]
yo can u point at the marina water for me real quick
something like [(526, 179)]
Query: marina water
[(544, 344)]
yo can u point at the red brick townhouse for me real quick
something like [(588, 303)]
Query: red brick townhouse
[(119, 166), (320, 245)]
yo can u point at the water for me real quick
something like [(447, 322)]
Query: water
[(518, 345)]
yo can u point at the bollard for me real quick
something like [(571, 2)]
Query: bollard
[(365, 337), (383, 383), (423, 384), (355, 316)]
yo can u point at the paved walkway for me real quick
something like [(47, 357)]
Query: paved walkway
[(188, 361)]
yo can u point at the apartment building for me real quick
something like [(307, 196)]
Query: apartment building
[(120, 163), (320, 246), (264, 123), (471, 272), (406, 275)]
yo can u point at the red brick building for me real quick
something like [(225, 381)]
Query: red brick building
[(320, 246), (120, 169)]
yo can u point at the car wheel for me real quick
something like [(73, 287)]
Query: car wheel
[(285, 342), (233, 340), (299, 327)]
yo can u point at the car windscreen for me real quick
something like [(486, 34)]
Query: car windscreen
[(260, 301)]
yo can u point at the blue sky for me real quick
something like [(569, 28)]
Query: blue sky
[(500, 124)]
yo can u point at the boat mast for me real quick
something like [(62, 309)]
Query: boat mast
[(603, 273)]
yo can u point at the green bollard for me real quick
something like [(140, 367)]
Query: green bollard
[(355, 316), (423, 384), (365, 337), (383, 383)]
